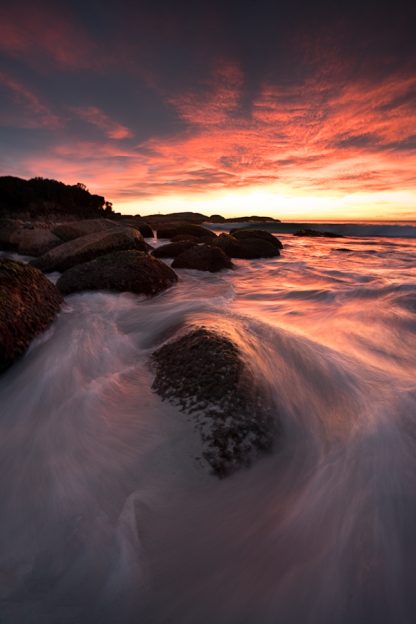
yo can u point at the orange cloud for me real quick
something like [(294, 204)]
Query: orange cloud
[(319, 135)]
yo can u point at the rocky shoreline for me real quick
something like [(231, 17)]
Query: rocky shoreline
[(202, 372)]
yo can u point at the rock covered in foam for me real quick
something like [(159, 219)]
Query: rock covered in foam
[(204, 373)]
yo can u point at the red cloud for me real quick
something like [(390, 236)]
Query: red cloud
[(324, 134), (34, 31)]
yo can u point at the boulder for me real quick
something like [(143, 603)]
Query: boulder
[(182, 217), (216, 218), (204, 374), (35, 242), (131, 270), (246, 248), (171, 250), (138, 223), (88, 247), (317, 233), (169, 230), (203, 258), (185, 237), (29, 302), (252, 219), (8, 229), (74, 229), (244, 233)]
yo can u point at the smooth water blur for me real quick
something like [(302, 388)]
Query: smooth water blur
[(106, 515)]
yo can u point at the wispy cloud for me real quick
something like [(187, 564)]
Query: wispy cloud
[(95, 116), (40, 33), (33, 111)]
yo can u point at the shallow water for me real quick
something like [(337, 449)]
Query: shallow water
[(107, 515)]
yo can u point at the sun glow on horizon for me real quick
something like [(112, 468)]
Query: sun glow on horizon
[(282, 204)]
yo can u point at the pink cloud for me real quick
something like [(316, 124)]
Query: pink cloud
[(35, 112), (32, 32), (97, 117)]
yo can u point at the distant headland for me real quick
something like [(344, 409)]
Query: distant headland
[(52, 200)]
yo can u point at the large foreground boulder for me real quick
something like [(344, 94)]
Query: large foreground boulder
[(171, 250), (132, 271), (247, 248), (203, 258), (28, 304), (74, 229), (249, 233), (204, 374), (88, 247), (169, 230)]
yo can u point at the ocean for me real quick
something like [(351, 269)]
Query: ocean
[(106, 515)]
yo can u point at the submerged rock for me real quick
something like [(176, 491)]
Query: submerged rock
[(203, 372), (249, 233), (203, 258), (86, 248), (247, 248), (29, 302), (169, 230), (317, 233), (132, 271), (171, 250)]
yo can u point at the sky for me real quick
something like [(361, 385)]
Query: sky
[(297, 110)]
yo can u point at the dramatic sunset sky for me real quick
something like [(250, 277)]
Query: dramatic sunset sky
[(293, 109)]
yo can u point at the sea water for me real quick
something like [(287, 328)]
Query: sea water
[(106, 512)]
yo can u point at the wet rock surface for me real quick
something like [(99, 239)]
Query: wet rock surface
[(29, 303), (204, 374), (35, 242), (203, 258), (86, 248), (137, 222), (8, 228), (249, 233), (317, 233), (131, 270), (169, 230), (171, 250), (74, 229), (247, 248)]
